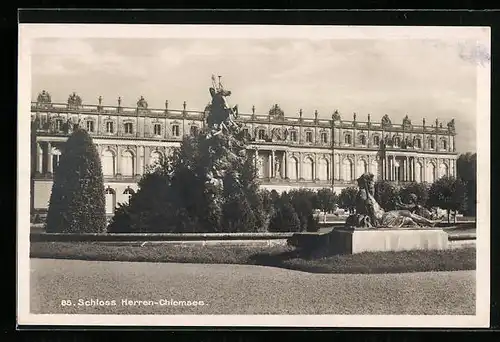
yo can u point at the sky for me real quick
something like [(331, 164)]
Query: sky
[(431, 79)]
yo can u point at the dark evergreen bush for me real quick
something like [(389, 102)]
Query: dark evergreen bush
[(77, 201), (285, 219)]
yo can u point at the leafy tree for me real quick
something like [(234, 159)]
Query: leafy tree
[(77, 201), (386, 194), (285, 219), (188, 192), (466, 171), (327, 199), (347, 198), (448, 193), (302, 201), (421, 190)]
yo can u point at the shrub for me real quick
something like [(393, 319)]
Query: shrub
[(421, 190), (303, 201), (448, 193), (386, 194), (285, 219), (77, 201), (347, 198)]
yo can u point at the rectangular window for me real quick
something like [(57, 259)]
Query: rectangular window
[(128, 128), (262, 134), (157, 129), (245, 132), (175, 130), (59, 124), (90, 126), (194, 130), (109, 127), (293, 136), (324, 138), (309, 137)]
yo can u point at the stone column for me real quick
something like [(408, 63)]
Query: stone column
[(393, 169), (285, 164), (424, 170), (270, 164), (118, 160), (49, 158), (384, 166), (405, 170), (39, 149), (299, 176), (273, 171), (315, 172)]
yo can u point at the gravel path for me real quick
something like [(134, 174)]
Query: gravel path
[(242, 289)]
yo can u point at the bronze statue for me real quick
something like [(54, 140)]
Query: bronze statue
[(369, 214), (221, 116)]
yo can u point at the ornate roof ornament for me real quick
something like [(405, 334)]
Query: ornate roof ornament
[(276, 111), (406, 122), (74, 101), (142, 103), (451, 126), (336, 115), (43, 98), (386, 122)]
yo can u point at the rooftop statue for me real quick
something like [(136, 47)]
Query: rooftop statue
[(451, 125), (406, 122), (44, 97), (74, 101), (336, 116), (142, 103), (386, 121), (369, 214)]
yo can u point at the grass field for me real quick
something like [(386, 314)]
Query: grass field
[(277, 256)]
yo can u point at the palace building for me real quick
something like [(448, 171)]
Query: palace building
[(291, 151)]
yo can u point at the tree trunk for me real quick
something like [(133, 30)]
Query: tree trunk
[(455, 217), (448, 212)]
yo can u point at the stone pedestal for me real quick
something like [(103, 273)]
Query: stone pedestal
[(351, 241)]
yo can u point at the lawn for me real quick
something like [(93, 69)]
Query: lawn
[(277, 256)]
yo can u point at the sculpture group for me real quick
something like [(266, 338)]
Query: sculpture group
[(369, 214)]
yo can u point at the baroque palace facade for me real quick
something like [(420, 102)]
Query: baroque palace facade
[(291, 152)]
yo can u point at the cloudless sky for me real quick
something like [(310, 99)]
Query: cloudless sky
[(420, 78)]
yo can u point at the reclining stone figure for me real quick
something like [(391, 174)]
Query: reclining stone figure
[(369, 214)]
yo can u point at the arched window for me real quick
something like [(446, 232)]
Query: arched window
[(397, 141), (431, 144), (129, 192), (347, 139), (175, 130), (128, 128), (374, 169), (347, 173), (361, 167), (308, 169), (443, 170), (431, 172), (323, 169), (376, 140), (155, 158), (262, 134), (418, 172), (324, 137), (293, 168), (194, 130), (56, 157), (110, 197), (108, 163), (362, 139), (127, 165), (110, 127), (157, 129)]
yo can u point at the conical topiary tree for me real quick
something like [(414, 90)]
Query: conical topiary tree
[(77, 202)]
